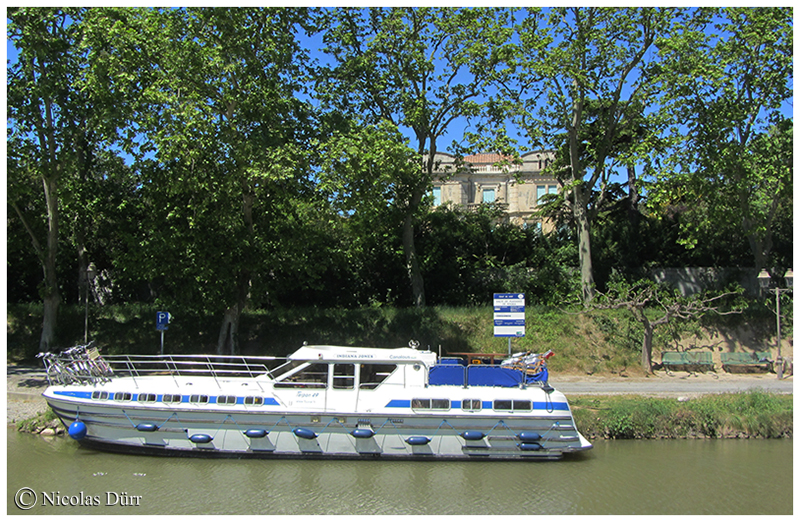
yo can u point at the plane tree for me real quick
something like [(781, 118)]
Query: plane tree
[(219, 135), (418, 70), (728, 86), (54, 130), (568, 61)]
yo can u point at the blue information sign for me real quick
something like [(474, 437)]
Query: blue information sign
[(509, 315), (162, 320)]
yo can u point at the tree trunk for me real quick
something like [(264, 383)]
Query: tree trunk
[(584, 246), (579, 202), (51, 295), (633, 197), (229, 332), (647, 341), (228, 341), (647, 347), (409, 248)]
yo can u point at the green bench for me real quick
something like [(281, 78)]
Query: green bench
[(746, 361), (687, 361)]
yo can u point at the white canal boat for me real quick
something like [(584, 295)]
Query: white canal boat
[(319, 402)]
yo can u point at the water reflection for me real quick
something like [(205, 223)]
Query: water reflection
[(621, 477)]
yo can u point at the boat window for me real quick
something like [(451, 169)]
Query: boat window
[(147, 397), (312, 376), (509, 405), (285, 368), (502, 405), (171, 398), (372, 375), (198, 398), (421, 404), (122, 396), (226, 399), (430, 404), (471, 404), (100, 395), (254, 401), (522, 406), (344, 376)]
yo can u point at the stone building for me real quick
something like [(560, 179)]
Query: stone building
[(517, 189)]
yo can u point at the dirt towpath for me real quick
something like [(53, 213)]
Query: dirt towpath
[(673, 384), (24, 392)]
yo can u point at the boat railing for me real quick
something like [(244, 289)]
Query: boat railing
[(216, 366), (83, 364)]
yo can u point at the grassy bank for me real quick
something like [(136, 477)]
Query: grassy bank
[(605, 341), (753, 414)]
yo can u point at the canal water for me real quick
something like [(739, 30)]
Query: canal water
[(723, 477)]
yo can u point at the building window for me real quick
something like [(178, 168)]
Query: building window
[(541, 190), (437, 196), (488, 195)]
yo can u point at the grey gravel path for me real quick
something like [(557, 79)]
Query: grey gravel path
[(677, 384)]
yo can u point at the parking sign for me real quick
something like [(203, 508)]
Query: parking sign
[(162, 320)]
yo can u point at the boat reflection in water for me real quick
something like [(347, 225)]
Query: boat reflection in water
[(319, 402)]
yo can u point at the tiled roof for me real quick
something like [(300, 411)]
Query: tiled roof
[(485, 158)]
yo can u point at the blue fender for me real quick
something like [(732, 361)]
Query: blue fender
[(77, 430)]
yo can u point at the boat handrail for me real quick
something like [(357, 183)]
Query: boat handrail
[(79, 365), (216, 366)]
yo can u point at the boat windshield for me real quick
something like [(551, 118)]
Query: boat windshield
[(286, 368)]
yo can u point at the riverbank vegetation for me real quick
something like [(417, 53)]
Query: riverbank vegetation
[(753, 414), (595, 342), (45, 424)]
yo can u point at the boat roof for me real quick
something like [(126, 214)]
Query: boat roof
[(329, 353)]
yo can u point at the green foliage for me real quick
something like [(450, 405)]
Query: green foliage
[(729, 169), (749, 414), (204, 160)]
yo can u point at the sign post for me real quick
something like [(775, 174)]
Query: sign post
[(509, 316), (162, 320)]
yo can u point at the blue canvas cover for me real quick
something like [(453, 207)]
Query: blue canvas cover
[(447, 374), (485, 375), (537, 377)]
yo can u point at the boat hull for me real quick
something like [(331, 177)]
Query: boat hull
[(317, 435), (321, 402)]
